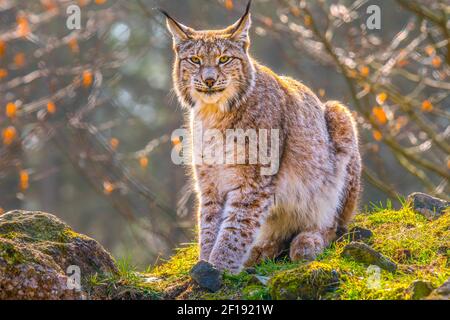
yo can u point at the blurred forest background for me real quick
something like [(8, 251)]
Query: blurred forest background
[(86, 115)]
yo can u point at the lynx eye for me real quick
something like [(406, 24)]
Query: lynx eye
[(195, 60), (224, 59)]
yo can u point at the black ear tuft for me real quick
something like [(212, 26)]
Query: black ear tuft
[(239, 30), (179, 31), (247, 10)]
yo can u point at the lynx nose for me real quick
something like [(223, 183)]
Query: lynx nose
[(210, 82)]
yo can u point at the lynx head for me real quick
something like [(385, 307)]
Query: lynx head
[(212, 67)]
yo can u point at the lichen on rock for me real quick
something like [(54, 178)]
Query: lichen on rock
[(361, 252), (428, 206), (441, 293), (420, 289), (36, 248), (307, 282)]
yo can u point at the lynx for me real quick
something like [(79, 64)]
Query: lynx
[(245, 216)]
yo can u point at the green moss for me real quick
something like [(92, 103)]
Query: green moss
[(127, 284), (33, 228), (255, 292), (68, 234), (311, 281), (179, 264), (10, 235), (10, 254), (395, 232)]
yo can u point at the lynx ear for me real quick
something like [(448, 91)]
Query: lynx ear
[(179, 32), (239, 30)]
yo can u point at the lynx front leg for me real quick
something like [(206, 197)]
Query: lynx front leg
[(245, 211), (210, 217)]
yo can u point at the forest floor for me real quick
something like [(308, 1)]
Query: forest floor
[(419, 248)]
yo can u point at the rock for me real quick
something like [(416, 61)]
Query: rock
[(259, 280), (36, 248), (358, 234), (250, 270), (206, 276), (361, 252), (308, 282), (420, 289), (428, 206), (441, 293)]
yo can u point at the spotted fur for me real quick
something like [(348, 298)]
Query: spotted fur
[(245, 216)]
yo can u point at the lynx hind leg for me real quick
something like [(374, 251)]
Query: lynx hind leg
[(268, 249), (344, 136), (350, 195), (342, 129), (307, 245)]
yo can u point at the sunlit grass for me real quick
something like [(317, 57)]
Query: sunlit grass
[(419, 247)]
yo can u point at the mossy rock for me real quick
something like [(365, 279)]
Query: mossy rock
[(420, 289), (363, 253), (36, 248), (441, 293), (307, 282)]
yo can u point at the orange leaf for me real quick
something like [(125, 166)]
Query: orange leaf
[(8, 135), (73, 45), (114, 143), (351, 73), (3, 73), (2, 211), (108, 187), (2, 48), (24, 180), (436, 62), (402, 62), (51, 107), (143, 162), (382, 97), (377, 135), (427, 106), (87, 78), (23, 28), (380, 115), (364, 71), (19, 59), (448, 163), (229, 4), (430, 50), (100, 1), (11, 110), (82, 3)]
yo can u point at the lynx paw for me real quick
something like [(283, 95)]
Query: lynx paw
[(306, 246), (264, 250)]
